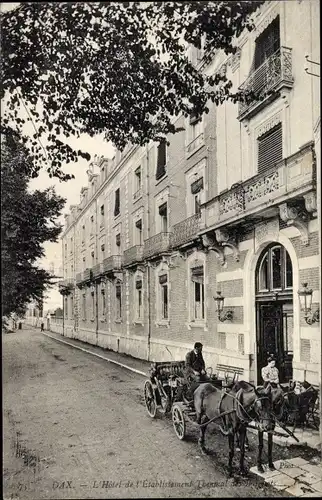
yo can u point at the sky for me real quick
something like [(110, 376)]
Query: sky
[(68, 189)]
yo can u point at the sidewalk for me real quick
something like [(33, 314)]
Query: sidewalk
[(306, 437)]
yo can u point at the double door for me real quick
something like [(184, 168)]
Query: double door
[(275, 336)]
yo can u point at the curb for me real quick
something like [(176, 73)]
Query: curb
[(134, 370)]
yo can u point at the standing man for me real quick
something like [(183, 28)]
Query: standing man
[(42, 326)]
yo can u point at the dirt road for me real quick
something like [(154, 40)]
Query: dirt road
[(75, 426)]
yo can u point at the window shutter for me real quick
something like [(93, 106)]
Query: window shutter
[(270, 149), (163, 209), (197, 186), (163, 279), (117, 202), (162, 159), (197, 274)]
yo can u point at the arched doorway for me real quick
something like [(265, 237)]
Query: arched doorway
[(274, 309)]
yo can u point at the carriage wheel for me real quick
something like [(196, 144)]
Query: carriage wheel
[(179, 423), (149, 398)]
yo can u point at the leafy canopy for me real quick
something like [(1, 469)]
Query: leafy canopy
[(117, 69), (28, 220)]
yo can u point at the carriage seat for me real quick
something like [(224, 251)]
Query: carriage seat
[(228, 374)]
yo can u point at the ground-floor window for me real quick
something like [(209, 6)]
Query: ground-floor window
[(164, 296), (198, 294), (84, 306), (103, 302), (118, 298), (138, 300)]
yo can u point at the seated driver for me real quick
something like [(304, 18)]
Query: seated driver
[(195, 364)]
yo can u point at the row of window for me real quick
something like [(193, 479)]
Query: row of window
[(196, 298)]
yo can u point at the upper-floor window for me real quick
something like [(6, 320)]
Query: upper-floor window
[(102, 215), (65, 250), (267, 43), (137, 182), (92, 224), (83, 234), (118, 244), (93, 258), (196, 189), (138, 233), (71, 245), (270, 148), (195, 132), (161, 160), (103, 251), (163, 217), (275, 270), (117, 202)]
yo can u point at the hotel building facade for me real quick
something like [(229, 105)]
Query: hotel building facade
[(211, 234)]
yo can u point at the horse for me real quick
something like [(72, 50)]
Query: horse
[(242, 404)]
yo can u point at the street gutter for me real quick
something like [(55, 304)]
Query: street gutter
[(98, 355)]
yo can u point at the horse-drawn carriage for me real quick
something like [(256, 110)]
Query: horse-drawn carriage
[(234, 405), (163, 393)]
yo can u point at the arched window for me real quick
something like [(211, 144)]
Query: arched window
[(274, 271)]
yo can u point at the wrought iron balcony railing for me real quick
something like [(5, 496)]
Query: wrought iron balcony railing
[(291, 176), (196, 143), (185, 231), (264, 83), (157, 244), (133, 255), (112, 263)]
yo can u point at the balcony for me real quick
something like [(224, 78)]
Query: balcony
[(186, 231), (263, 85), (98, 270), (112, 263), (156, 245), (260, 195), (87, 274), (79, 278), (195, 144), (133, 255)]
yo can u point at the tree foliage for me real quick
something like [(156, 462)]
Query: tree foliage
[(118, 69), (28, 220)]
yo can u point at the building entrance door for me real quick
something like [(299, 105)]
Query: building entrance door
[(274, 335), (274, 311)]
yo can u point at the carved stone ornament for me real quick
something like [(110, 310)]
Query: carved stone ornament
[(266, 229), (269, 18), (228, 240), (210, 243), (293, 217), (310, 203), (268, 125)]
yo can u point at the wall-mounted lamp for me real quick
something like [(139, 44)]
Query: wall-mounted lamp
[(305, 296), (228, 315)]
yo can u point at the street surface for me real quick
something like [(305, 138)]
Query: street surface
[(76, 426)]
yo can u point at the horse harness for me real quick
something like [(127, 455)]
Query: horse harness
[(240, 409)]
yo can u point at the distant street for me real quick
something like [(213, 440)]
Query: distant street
[(76, 427)]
